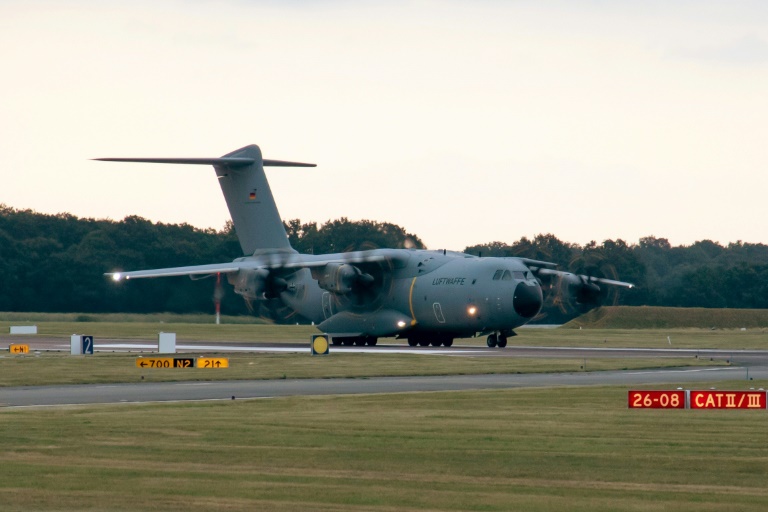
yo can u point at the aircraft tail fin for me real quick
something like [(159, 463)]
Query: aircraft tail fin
[(246, 190)]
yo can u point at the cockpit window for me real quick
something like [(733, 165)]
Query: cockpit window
[(497, 275), (520, 274), (507, 276)]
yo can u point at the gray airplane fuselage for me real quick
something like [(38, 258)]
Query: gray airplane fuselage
[(417, 292)]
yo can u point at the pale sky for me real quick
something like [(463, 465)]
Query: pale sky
[(462, 121)]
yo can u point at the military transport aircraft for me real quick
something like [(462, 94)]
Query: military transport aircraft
[(424, 296)]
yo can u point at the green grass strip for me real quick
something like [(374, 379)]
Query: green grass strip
[(576, 449)]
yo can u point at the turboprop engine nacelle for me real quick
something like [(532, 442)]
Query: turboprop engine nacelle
[(341, 277), (582, 289), (249, 283)]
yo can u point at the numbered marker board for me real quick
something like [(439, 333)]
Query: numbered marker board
[(87, 345), (81, 344), (213, 362)]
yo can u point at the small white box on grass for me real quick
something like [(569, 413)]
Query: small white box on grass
[(166, 342), (23, 329)]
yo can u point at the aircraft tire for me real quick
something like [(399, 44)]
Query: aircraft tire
[(360, 342), (336, 341), (448, 342), (348, 342), (372, 342), (412, 342), (423, 343), (491, 340), (502, 341), (436, 343)]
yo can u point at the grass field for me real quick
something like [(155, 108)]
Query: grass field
[(576, 449), (653, 317), (553, 449), (51, 369)]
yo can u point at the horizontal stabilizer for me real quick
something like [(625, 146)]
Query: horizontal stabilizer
[(223, 161)]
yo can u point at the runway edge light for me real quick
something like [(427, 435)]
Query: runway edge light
[(319, 344)]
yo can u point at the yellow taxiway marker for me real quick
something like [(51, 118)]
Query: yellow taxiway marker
[(319, 344), (16, 348), (165, 362), (213, 362)]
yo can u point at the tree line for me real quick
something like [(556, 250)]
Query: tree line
[(704, 274), (56, 263)]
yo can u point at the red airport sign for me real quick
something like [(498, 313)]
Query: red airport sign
[(697, 399), (713, 399), (652, 399)]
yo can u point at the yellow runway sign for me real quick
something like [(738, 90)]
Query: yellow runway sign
[(213, 362), (165, 362), (182, 362), (319, 344), (16, 348)]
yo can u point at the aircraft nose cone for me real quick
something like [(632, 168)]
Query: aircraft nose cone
[(528, 300)]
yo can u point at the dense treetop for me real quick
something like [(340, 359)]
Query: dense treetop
[(57, 263)]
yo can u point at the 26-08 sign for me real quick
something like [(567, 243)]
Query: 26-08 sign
[(653, 399)]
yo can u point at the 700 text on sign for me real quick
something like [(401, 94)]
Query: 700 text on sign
[(165, 362)]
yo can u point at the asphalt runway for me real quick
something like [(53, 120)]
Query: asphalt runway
[(234, 390)]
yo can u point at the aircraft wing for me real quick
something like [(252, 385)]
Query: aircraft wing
[(215, 268), (274, 261), (581, 277)]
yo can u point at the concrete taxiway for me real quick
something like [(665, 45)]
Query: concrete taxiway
[(229, 390)]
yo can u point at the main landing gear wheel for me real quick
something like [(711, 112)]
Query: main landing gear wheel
[(412, 342), (496, 340)]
